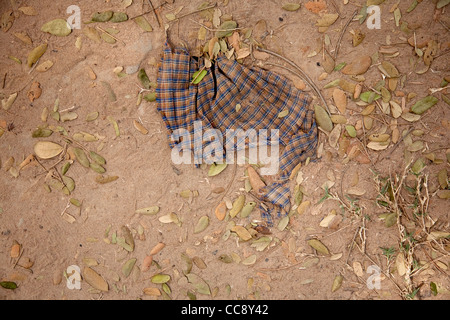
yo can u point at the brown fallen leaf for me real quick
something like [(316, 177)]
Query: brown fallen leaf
[(358, 66), (340, 99), (146, 263), (27, 161), (357, 37), (35, 91), (15, 249), (221, 211), (94, 279), (138, 126), (157, 248), (255, 180)]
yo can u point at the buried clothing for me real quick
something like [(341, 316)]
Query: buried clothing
[(234, 97)]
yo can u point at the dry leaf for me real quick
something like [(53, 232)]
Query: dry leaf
[(22, 36), (7, 102), (47, 149), (221, 211), (291, 6), (357, 37), (249, 260), (128, 266), (35, 91), (146, 263), (358, 66), (242, 233), (157, 248), (318, 246), (57, 27), (138, 126), (255, 180), (44, 66), (201, 225), (400, 263), (337, 282), (328, 63), (327, 20), (35, 54), (29, 11), (238, 204), (15, 249), (303, 206), (323, 119), (326, 222), (150, 291), (94, 279), (199, 284), (340, 99)]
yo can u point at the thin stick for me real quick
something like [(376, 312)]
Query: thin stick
[(338, 44), (199, 10), (109, 34), (214, 30), (154, 12), (303, 75), (397, 144)]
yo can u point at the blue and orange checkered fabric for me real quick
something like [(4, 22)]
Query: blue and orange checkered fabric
[(261, 94)]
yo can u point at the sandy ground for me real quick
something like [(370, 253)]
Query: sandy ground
[(44, 236)]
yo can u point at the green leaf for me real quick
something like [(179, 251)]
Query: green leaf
[(150, 97), (226, 29), (351, 130), (97, 168), (433, 288), (69, 182), (340, 66), (199, 284), (97, 158), (201, 225), (323, 119), (418, 166), (291, 6), (41, 133), (102, 16), (81, 157), (412, 6), (390, 220), (160, 278), (35, 54), (57, 27), (128, 267), (319, 246), (8, 285), (442, 3), (424, 104), (198, 76), (369, 96), (143, 23), (143, 78), (215, 169), (119, 17)]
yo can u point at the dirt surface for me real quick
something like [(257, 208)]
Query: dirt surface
[(43, 234)]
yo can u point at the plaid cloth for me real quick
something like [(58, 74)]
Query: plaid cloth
[(212, 103)]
